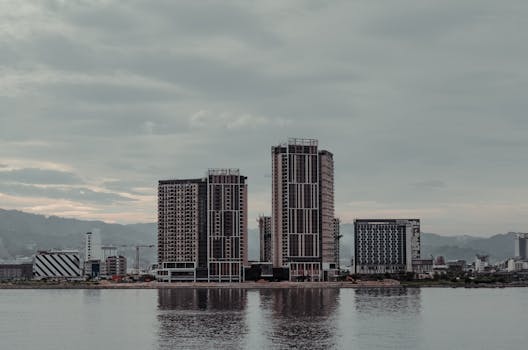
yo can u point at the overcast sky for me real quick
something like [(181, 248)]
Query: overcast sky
[(423, 103)]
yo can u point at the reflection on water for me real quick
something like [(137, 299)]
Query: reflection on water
[(303, 317), (235, 318), (376, 300), (201, 318)]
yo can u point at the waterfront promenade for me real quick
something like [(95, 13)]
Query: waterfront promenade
[(249, 285)]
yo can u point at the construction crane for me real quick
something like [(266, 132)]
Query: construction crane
[(137, 246)]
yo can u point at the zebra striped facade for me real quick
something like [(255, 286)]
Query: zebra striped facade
[(57, 264)]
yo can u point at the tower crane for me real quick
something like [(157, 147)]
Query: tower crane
[(137, 246)]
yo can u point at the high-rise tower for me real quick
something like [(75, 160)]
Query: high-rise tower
[(302, 208), (202, 227), (227, 224), (264, 223)]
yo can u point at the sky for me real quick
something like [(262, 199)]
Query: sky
[(423, 104)]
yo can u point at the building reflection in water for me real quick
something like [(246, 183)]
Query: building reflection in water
[(388, 300), (201, 318), (301, 318), (378, 318)]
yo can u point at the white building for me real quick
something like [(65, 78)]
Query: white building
[(521, 246), (515, 265), (92, 245), (481, 263)]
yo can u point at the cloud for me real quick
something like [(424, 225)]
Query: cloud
[(79, 194), (421, 103), (429, 184), (39, 176), (208, 119)]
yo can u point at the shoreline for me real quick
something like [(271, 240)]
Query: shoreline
[(251, 285)]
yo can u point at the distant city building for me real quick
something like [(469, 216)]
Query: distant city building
[(63, 264), (386, 245), (92, 245), (456, 265), (521, 246), (93, 268), (16, 271), (115, 266), (202, 227), (516, 265), (302, 209), (107, 251), (337, 243), (422, 266), (481, 263), (439, 260), (264, 223)]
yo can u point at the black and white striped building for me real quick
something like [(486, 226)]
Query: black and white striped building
[(57, 264)]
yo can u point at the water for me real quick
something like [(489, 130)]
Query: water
[(257, 319)]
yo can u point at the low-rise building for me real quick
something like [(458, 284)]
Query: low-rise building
[(516, 265), (482, 263), (116, 266), (16, 271), (57, 264), (422, 266), (93, 268), (456, 266)]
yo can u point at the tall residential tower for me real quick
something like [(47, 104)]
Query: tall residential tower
[(302, 208), (264, 223), (202, 227)]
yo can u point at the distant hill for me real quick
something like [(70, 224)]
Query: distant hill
[(498, 247), (21, 234)]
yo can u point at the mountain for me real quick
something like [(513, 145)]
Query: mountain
[(22, 234), (498, 247)]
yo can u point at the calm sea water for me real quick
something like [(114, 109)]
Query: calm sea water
[(258, 319)]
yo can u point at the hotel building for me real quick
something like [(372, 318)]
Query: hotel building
[(386, 246)]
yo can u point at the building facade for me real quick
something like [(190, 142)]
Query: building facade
[(302, 209), (115, 266), (16, 271), (386, 245), (521, 246), (264, 224), (337, 240), (60, 264), (182, 230), (226, 225), (202, 227)]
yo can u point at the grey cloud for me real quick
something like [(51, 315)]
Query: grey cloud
[(430, 184), (132, 187), (80, 194), (403, 93), (40, 176), (111, 93)]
